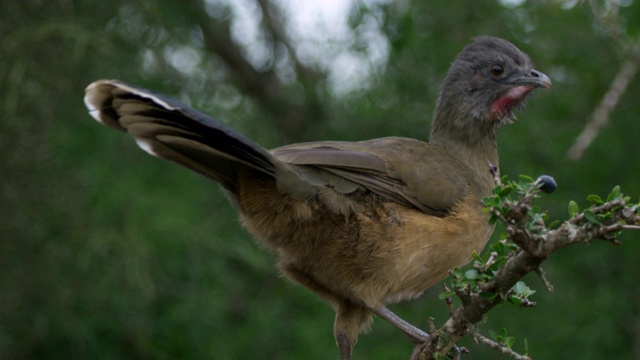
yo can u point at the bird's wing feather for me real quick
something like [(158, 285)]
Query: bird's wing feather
[(413, 176)]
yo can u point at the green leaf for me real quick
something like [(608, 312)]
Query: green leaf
[(526, 178), (488, 296), (504, 192), (446, 295), (499, 248), (595, 199), (471, 274), (591, 217), (573, 208), (509, 341), (477, 256), (614, 194), (497, 265)]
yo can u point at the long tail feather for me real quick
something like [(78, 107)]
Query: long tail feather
[(168, 129)]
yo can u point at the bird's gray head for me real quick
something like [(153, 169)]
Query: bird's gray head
[(487, 80)]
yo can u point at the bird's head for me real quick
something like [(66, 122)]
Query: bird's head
[(486, 82)]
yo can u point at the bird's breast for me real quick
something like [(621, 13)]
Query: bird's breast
[(428, 247)]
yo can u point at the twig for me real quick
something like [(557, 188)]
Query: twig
[(448, 300), (544, 279), (490, 261), (579, 218), (503, 349), (431, 323)]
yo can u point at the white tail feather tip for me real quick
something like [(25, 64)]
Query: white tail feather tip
[(145, 145)]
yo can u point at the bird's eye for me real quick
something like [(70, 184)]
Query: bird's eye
[(497, 70)]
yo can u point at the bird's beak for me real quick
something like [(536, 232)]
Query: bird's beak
[(533, 78)]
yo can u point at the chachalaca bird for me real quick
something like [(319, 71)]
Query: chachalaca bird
[(362, 224)]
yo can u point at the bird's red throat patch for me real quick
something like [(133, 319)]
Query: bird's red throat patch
[(503, 105)]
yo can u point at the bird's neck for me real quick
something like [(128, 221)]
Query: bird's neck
[(478, 151)]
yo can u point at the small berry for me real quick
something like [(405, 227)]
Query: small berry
[(548, 184)]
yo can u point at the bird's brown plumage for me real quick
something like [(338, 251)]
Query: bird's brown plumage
[(362, 224)]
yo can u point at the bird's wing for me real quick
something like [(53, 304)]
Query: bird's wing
[(406, 171)]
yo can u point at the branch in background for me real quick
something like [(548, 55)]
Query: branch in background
[(609, 101), (495, 277), (274, 21), (292, 119), (608, 19)]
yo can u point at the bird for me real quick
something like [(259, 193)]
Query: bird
[(362, 224)]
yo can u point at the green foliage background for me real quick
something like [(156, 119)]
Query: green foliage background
[(106, 253)]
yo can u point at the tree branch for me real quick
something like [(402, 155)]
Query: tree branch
[(609, 20), (502, 273), (273, 20), (600, 116), (292, 119)]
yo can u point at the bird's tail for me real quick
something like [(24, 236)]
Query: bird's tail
[(171, 130)]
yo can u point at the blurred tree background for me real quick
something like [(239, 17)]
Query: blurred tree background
[(107, 253)]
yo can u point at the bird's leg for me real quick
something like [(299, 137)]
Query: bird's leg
[(418, 336), (344, 346), (350, 317)]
